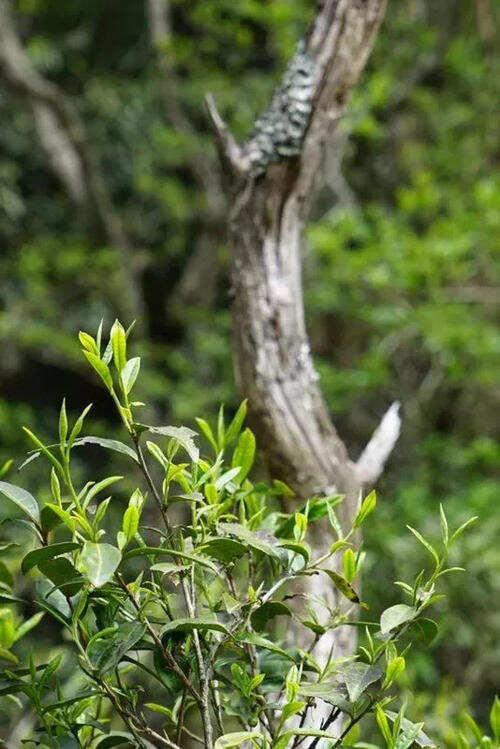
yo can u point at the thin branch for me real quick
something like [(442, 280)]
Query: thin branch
[(371, 462), (229, 149), (64, 138)]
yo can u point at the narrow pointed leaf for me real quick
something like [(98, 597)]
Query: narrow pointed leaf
[(23, 499)]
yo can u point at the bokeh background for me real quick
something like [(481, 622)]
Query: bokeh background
[(400, 264)]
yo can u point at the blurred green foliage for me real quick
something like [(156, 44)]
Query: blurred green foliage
[(401, 258)]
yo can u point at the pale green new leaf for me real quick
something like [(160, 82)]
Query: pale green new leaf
[(236, 739), (98, 562), (396, 615)]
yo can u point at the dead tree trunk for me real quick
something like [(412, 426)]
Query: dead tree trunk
[(272, 178)]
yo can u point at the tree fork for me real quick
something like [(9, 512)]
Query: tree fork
[(271, 352)]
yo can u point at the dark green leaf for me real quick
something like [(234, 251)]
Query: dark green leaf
[(224, 549), (106, 653), (33, 558), (62, 573), (425, 629), (357, 677), (115, 738), (267, 611)]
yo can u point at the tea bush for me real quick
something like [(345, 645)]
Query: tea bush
[(179, 599)]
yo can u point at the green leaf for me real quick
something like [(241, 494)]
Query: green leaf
[(421, 739), (330, 691), (94, 490), (130, 523), (159, 709), (115, 738), (101, 368), (23, 499), (425, 629), (298, 547), (169, 568), (183, 435), (129, 373), (367, 507), (227, 477), (9, 598), (383, 724), (396, 615), (187, 625), (253, 638), (33, 558), (235, 426), (64, 515), (315, 509), (244, 454), (106, 653), (461, 529), (291, 708), (425, 543), (115, 445), (8, 656), (28, 625), (7, 628), (223, 549), (444, 525), (63, 574), (256, 540), (357, 677), (495, 718), (98, 562), (408, 736), (88, 342), (155, 551), (394, 670), (343, 585), (4, 469), (63, 423), (119, 345), (207, 431), (236, 739), (78, 424), (349, 565), (267, 611)]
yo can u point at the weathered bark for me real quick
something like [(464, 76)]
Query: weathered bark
[(273, 364)]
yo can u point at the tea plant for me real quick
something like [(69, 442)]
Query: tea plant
[(188, 607)]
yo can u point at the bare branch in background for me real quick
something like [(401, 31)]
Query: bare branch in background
[(372, 460), (485, 20), (62, 155), (64, 138)]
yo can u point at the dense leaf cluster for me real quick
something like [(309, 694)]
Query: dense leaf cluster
[(188, 606)]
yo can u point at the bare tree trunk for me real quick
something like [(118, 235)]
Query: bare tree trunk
[(273, 177)]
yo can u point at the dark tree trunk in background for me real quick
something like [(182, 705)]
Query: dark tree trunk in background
[(273, 364)]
